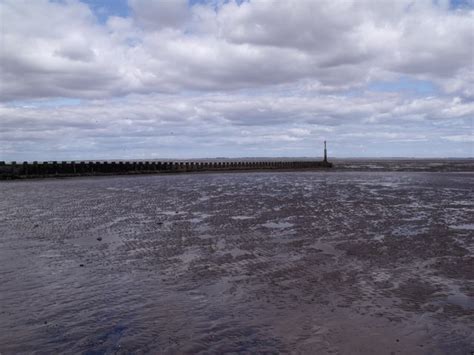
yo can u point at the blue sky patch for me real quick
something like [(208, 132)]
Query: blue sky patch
[(406, 85)]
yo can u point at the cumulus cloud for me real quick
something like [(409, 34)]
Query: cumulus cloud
[(169, 46), (253, 75)]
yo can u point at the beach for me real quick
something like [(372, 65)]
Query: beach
[(339, 262)]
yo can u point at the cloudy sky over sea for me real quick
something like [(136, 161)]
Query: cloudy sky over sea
[(186, 79)]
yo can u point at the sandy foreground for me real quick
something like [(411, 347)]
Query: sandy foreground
[(302, 262)]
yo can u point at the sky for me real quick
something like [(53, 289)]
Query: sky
[(138, 79)]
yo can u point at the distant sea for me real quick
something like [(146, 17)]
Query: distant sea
[(400, 164), (377, 164)]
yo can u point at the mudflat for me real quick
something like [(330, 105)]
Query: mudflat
[(337, 262)]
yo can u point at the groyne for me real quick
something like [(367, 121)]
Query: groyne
[(14, 170)]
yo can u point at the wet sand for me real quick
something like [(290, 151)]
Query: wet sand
[(303, 262)]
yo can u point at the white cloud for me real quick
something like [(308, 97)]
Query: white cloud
[(232, 124), (461, 138), (259, 75), (52, 49)]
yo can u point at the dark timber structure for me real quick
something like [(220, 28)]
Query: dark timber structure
[(92, 168), (325, 154)]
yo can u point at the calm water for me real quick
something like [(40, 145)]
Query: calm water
[(312, 262)]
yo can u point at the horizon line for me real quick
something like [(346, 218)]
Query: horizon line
[(248, 157)]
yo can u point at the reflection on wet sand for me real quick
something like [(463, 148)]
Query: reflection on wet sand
[(313, 262)]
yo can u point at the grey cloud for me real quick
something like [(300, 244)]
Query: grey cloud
[(230, 124), (82, 53), (156, 14), (53, 49), (314, 25)]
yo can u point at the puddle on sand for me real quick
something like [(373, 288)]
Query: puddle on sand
[(190, 255), (459, 298), (379, 237), (199, 218), (408, 231), (467, 226), (241, 218), (236, 252)]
